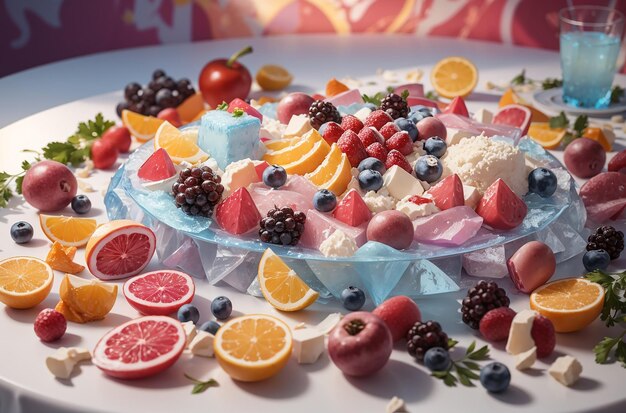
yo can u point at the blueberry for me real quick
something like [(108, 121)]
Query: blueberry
[(428, 168), (495, 377), (188, 312), (370, 180), (596, 260), (374, 164), (408, 126), (324, 200), (274, 176), (437, 359), (210, 327), (371, 106), (542, 181), (21, 232), (221, 308), (415, 116), (435, 146), (81, 204), (353, 298)]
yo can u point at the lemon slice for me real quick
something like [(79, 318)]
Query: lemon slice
[(179, 145)]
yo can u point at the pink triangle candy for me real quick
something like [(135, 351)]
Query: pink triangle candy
[(451, 227), (320, 226)]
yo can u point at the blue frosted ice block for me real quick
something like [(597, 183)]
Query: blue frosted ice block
[(228, 138)]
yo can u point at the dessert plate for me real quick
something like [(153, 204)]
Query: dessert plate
[(553, 99)]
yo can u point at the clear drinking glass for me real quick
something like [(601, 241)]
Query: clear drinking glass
[(590, 38)]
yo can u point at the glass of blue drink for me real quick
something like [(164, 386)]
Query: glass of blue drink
[(590, 38)]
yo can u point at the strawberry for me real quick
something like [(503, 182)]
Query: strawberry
[(351, 145), (350, 122), (396, 158), (496, 323), (420, 200), (400, 313), (50, 325), (400, 141), (377, 119), (544, 336), (369, 136), (377, 150), (388, 130), (332, 133)]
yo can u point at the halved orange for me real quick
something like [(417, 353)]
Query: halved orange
[(68, 231), (179, 145), (335, 87), (85, 300), (571, 303), (454, 76), (273, 77), (190, 108), (24, 281), (253, 347), (544, 135), (141, 127)]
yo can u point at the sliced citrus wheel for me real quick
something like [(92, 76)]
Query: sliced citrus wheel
[(119, 249), (141, 127), (513, 115), (597, 134), (60, 259), (281, 286), (190, 108), (544, 135), (509, 97), (335, 87), (253, 347), (68, 231), (571, 304), (85, 300), (294, 150), (310, 160), (273, 77), (454, 76), (179, 145), (140, 348), (24, 281), (159, 292)]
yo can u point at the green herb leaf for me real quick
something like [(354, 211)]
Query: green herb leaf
[(201, 386), (18, 184), (580, 124), (432, 95), (390, 89), (519, 79), (551, 83), (93, 129), (480, 354), (471, 348), (466, 369), (616, 94), (375, 99), (559, 121), (58, 151), (238, 112), (222, 106), (604, 347), (452, 342), (405, 94)]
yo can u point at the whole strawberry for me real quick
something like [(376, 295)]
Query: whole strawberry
[(496, 323), (350, 122), (400, 313), (377, 150), (400, 141), (369, 136), (351, 145), (544, 336), (394, 157), (332, 133), (377, 119), (388, 130), (50, 325)]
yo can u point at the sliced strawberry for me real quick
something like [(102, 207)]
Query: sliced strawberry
[(238, 103), (448, 193), (351, 145), (378, 151), (333, 132), (377, 119), (369, 136), (457, 106), (394, 157), (352, 210), (500, 207), (400, 141), (350, 122), (388, 130)]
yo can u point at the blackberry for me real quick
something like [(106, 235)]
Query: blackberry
[(607, 238), (481, 298), (321, 112), (197, 191), (282, 226), (424, 336), (395, 106)]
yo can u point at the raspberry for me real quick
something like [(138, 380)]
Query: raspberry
[(388, 130), (395, 105), (394, 157), (197, 191), (369, 136), (282, 226), (400, 141), (495, 325), (378, 151), (377, 119), (321, 112), (351, 145), (333, 132), (544, 336), (485, 296), (350, 122), (50, 325)]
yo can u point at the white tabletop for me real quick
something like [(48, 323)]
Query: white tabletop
[(39, 97)]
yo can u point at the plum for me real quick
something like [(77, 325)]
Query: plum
[(584, 158), (604, 196), (618, 162), (392, 228), (49, 186), (531, 266), (431, 127), (293, 104)]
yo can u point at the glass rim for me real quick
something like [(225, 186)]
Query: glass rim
[(609, 10)]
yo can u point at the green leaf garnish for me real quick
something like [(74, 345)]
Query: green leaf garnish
[(559, 121), (222, 106), (238, 112), (551, 83), (463, 371), (432, 95), (616, 94), (580, 124), (519, 79), (201, 386)]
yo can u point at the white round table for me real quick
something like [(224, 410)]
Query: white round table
[(46, 103)]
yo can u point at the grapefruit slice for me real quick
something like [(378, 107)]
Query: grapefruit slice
[(119, 249), (140, 348), (514, 115), (159, 292)]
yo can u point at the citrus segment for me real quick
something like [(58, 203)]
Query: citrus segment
[(335, 87), (544, 135), (179, 145), (68, 231), (310, 160), (275, 145), (253, 347), (509, 97), (159, 292), (326, 170), (454, 76), (87, 300), (190, 108), (60, 259), (596, 134), (281, 286), (141, 127), (24, 281), (340, 181), (294, 151), (273, 77), (571, 304)]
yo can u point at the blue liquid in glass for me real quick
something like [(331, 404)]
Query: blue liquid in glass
[(588, 63)]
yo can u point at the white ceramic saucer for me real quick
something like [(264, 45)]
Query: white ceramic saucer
[(553, 99)]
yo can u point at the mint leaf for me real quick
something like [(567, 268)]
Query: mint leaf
[(405, 94), (222, 106), (616, 94), (58, 151), (519, 79), (238, 112), (432, 95), (580, 124), (201, 386), (551, 83), (559, 121)]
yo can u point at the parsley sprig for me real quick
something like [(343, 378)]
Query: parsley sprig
[(377, 98), (201, 386), (561, 121), (466, 369), (547, 83), (617, 93)]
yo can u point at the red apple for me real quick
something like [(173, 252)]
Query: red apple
[(223, 80), (49, 186)]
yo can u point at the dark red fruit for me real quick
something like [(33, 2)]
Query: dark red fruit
[(120, 136), (333, 132), (500, 207), (369, 136), (171, 115), (496, 323), (400, 314), (350, 122), (103, 154), (584, 157), (400, 141), (394, 157), (50, 325), (352, 210), (223, 80), (448, 193), (238, 214), (544, 336), (157, 167), (618, 162), (378, 151), (351, 145), (377, 119), (388, 130)]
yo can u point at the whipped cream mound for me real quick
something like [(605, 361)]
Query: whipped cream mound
[(479, 161), (338, 244)]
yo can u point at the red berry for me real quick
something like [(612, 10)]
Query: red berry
[(120, 136), (104, 154), (350, 122), (369, 136), (333, 132), (419, 200), (351, 145), (400, 141), (544, 336), (378, 151), (400, 314), (377, 119), (496, 323), (388, 130), (50, 325), (394, 157), (171, 115)]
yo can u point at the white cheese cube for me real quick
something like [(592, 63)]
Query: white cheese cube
[(190, 331), (520, 339), (526, 359), (298, 126), (308, 345), (483, 116), (61, 363), (362, 113), (327, 324), (239, 174), (566, 370), (471, 195), (395, 405), (401, 184), (454, 136), (202, 344)]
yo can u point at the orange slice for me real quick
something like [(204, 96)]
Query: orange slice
[(60, 259), (333, 173), (278, 144), (141, 127), (309, 160), (339, 182), (597, 134), (190, 108), (454, 76), (179, 145), (68, 231), (571, 304), (85, 300), (335, 87), (295, 150), (547, 137), (273, 77), (253, 347), (24, 281), (281, 286)]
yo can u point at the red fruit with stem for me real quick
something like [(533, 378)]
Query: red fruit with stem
[(223, 80)]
